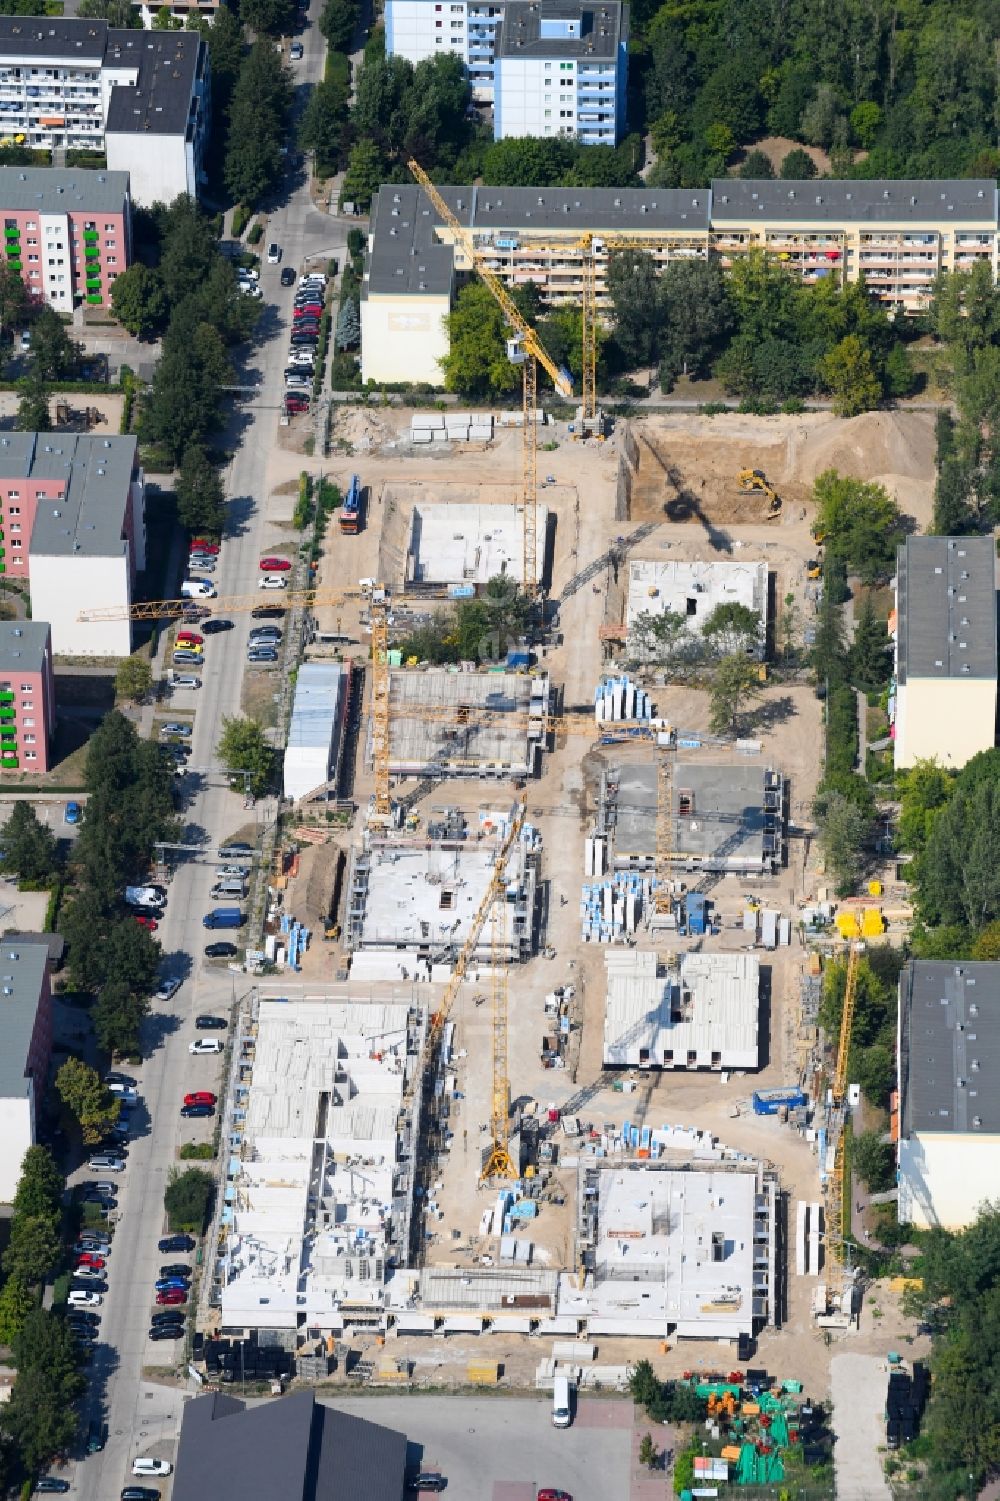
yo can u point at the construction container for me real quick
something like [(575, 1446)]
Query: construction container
[(483, 1373), (481, 432), (420, 435), (427, 420)]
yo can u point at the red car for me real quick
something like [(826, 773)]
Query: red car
[(296, 404), (548, 1494), (97, 1263), (307, 310), (200, 1097), (274, 565), (191, 637), (201, 544), (172, 1298), (149, 923)]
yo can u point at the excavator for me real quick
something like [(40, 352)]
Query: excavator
[(756, 479)]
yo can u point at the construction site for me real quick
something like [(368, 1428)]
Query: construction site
[(629, 1129)]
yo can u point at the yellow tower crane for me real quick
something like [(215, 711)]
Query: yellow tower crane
[(524, 348), (835, 1185)]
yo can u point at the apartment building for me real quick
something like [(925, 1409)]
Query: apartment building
[(559, 68), (27, 695), (897, 235), (69, 234), (943, 701), (73, 521), (141, 97), (25, 1050)]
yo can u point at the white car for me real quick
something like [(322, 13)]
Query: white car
[(273, 253), (185, 680), (205, 1045), (295, 52), (251, 289), (147, 1465), (273, 581), (167, 988), (80, 1299), (198, 589)]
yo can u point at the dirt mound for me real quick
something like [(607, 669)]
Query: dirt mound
[(886, 443)]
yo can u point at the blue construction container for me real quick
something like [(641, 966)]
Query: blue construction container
[(770, 1101)]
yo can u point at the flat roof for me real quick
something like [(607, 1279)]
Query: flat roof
[(949, 1047), (24, 645), (946, 597), (52, 36), (427, 897), (418, 742), (51, 190), (705, 1014), (159, 102), (916, 201), (469, 544), (600, 29), (727, 819), (22, 975), (94, 475), (314, 732), (597, 209), (404, 254)]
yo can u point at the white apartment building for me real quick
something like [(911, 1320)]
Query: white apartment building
[(141, 97), (554, 69)]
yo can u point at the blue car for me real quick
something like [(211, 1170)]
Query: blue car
[(171, 1284), (72, 814)]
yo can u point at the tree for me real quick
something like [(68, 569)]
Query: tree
[(40, 1416), (476, 364), (13, 298), (117, 13), (959, 877), (16, 1302), (657, 637), (871, 660), (29, 846), (225, 51), (798, 166), (848, 373), (866, 121), (756, 165), (40, 1186), (873, 1161), (348, 333), (88, 1099), (133, 678), (200, 497), (272, 17), (733, 628), (139, 301), (633, 286), (649, 1454), (118, 1015), (54, 355), (365, 173), (337, 23), (33, 406), (323, 130), (735, 685), (187, 1199), (844, 833), (254, 162), (696, 315), (923, 791), (243, 748), (861, 520), (33, 1248)]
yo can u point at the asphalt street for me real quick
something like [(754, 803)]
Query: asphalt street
[(115, 1392)]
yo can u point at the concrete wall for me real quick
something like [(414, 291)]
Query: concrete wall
[(63, 586), (944, 1178), (162, 166), (403, 338), (948, 720), (415, 29), (17, 1134)]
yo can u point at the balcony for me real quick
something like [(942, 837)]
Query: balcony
[(9, 763)]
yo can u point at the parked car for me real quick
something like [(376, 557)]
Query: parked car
[(72, 814), (169, 986), (185, 680), (106, 1162), (166, 1331), (273, 253), (213, 627), (202, 544), (83, 1298), (263, 612), (198, 589), (272, 581), (199, 1097), (50, 1485), (149, 923), (140, 1493), (237, 846), (274, 564), (261, 656), (175, 1243), (251, 289), (91, 1259), (113, 1076), (175, 1269), (295, 53), (287, 276), (201, 563), (176, 727), (431, 1481), (212, 1023), (104, 1200), (146, 1465), (205, 1045), (97, 1436), (88, 1282), (197, 1112), (171, 1284), (295, 404), (171, 1298), (266, 633), (168, 1316), (220, 951), (183, 658)]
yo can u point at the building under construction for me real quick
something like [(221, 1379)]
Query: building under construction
[(467, 545), (691, 591), (412, 904), (447, 722), (703, 1014), (725, 818)]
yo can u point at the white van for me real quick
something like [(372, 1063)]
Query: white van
[(562, 1411), (230, 886)]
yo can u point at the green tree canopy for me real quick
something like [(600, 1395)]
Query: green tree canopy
[(735, 685), (16, 1301), (476, 364), (244, 748), (33, 1248), (40, 1186), (845, 833), (200, 498), (861, 521), (133, 678), (732, 628), (33, 406), (82, 1092), (29, 846), (139, 300), (187, 1199)]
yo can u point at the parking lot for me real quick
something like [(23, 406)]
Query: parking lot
[(500, 1449)]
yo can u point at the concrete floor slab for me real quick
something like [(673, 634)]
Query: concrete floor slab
[(859, 1385)]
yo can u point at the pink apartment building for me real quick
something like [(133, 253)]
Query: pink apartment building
[(68, 233), (27, 695)]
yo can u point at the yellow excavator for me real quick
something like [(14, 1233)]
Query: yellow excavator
[(756, 479)]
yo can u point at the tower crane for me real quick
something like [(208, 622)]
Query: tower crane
[(524, 348), (834, 1186)]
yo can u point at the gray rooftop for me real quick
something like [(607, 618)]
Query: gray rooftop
[(51, 36), (947, 599), (727, 825), (23, 644), (294, 1448), (405, 256), (598, 29), (51, 190), (168, 64), (93, 475), (22, 973), (949, 1046), (906, 201)]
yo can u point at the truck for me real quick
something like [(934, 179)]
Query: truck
[(145, 896), (223, 917), (350, 511)]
